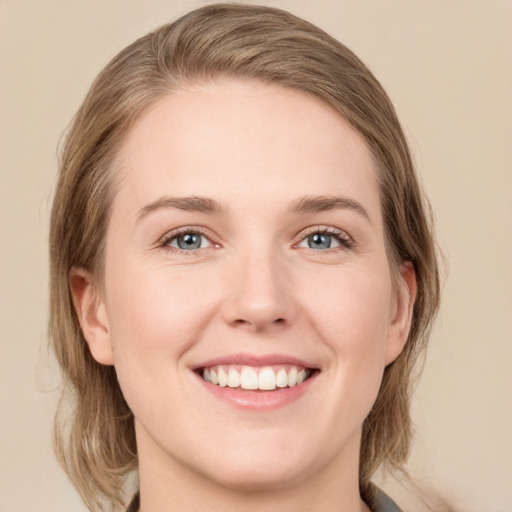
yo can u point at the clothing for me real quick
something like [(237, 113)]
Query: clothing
[(134, 505), (384, 503)]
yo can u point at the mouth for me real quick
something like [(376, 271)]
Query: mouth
[(256, 378), (256, 382)]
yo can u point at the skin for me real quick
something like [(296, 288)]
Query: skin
[(254, 287)]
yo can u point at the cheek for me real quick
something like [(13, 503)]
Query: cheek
[(155, 310), (351, 308), (157, 315), (349, 311)]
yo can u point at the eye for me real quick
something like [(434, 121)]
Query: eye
[(187, 241), (320, 241), (323, 240)]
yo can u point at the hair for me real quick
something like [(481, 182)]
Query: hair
[(95, 443)]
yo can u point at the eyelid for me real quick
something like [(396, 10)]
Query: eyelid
[(346, 241), (164, 241)]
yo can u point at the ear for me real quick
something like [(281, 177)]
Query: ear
[(91, 313), (402, 313)]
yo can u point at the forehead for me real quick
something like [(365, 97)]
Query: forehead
[(240, 139)]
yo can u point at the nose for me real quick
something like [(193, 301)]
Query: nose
[(259, 293)]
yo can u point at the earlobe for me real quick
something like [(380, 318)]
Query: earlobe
[(401, 322), (91, 313)]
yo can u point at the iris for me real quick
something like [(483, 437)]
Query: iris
[(319, 241)]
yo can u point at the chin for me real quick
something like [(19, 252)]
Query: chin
[(253, 478), (257, 470)]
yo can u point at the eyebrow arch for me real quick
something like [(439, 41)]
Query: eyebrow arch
[(317, 204), (189, 204), (306, 204)]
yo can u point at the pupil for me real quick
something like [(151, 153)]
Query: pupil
[(319, 241), (189, 241)]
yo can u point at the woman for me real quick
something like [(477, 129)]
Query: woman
[(243, 272)]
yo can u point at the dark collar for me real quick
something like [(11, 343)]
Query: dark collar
[(383, 502), (135, 504)]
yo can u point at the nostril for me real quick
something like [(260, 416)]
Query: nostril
[(241, 321)]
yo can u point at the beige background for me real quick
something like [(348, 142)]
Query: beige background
[(447, 64)]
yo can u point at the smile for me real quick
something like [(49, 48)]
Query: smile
[(263, 378), (257, 383)]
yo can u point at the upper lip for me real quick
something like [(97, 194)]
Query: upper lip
[(254, 360)]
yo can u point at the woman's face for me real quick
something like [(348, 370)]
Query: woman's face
[(246, 246)]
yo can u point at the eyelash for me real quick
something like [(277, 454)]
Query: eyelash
[(345, 241), (166, 240)]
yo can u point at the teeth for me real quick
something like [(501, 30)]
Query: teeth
[(223, 378), (281, 378), (267, 379), (247, 377), (292, 378), (233, 378)]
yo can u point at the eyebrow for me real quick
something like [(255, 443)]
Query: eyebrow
[(305, 204), (317, 204), (189, 204)]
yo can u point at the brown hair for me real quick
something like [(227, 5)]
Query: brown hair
[(97, 447)]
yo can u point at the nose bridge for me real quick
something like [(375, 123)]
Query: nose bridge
[(259, 289)]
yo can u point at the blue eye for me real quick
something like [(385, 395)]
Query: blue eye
[(188, 241), (321, 241), (325, 240)]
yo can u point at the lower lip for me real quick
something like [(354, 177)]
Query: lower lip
[(259, 400)]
